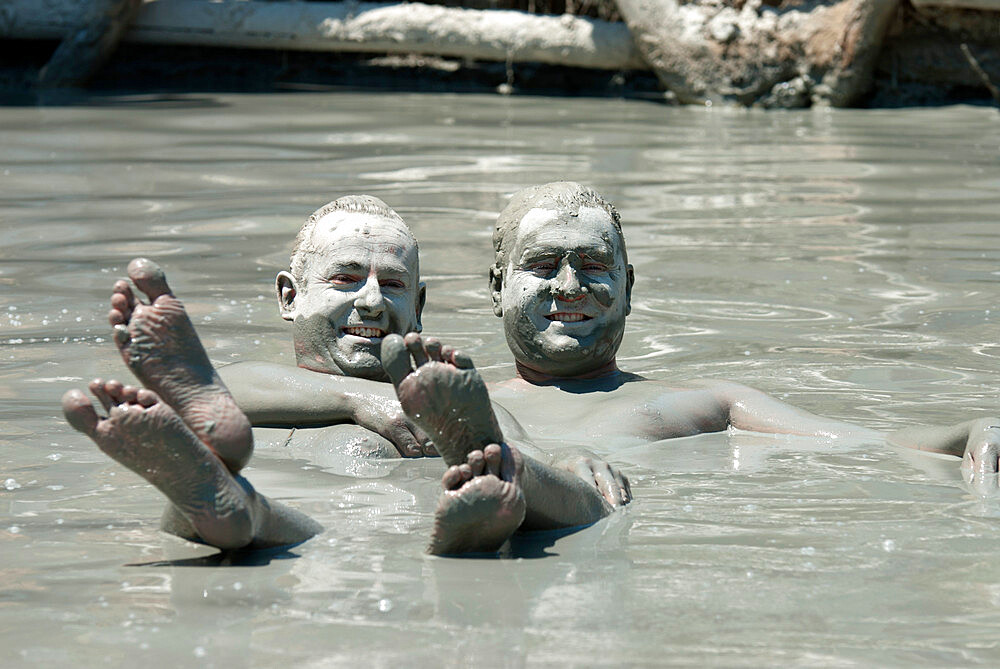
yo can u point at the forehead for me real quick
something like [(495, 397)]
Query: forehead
[(590, 228), (357, 238)]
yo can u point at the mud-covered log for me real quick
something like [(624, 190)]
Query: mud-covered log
[(815, 53), (89, 43), (496, 35)]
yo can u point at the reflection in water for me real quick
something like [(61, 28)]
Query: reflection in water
[(842, 260)]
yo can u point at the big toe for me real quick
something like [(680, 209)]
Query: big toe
[(395, 358), (148, 277), (79, 411)]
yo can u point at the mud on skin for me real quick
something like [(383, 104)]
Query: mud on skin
[(160, 346)]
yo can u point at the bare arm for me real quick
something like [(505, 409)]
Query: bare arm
[(284, 396), (557, 498), (977, 442), (750, 409)]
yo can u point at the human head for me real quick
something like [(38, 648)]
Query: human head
[(353, 277), (561, 280)]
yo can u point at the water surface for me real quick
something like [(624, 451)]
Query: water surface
[(846, 261)]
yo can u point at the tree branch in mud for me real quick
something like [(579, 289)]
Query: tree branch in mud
[(981, 73)]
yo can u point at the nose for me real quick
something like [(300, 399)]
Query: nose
[(568, 287), (369, 299)]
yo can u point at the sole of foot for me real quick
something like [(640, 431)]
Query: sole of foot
[(148, 437), (441, 391), (482, 504), (160, 346)]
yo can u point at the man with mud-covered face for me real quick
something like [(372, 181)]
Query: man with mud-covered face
[(563, 286), (565, 289), (354, 278)]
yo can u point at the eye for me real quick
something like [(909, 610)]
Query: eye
[(392, 283), (542, 267), (343, 279), (593, 266)]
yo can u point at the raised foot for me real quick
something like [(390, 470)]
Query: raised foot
[(147, 436), (159, 344), (482, 504), (442, 393)]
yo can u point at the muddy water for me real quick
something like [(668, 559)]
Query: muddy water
[(847, 261)]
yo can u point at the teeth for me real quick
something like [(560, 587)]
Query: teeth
[(368, 333), (567, 318)]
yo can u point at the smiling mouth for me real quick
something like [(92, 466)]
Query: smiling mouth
[(367, 333), (564, 317)]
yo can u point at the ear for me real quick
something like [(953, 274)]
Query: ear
[(629, 282), (496, 286), (287, 290), (421, 301)]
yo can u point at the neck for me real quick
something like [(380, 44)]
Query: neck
[(540, 378)]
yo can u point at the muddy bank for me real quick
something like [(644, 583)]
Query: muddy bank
[(770, 53)]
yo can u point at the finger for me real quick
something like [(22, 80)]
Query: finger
[(465, 470), (627, 487), (430, 449), (415, 345), (608, 486), (476, 462)]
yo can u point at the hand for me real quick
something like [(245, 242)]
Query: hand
[(982, 452), (612, 484), (385, 417)]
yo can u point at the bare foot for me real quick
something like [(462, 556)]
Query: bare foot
[(482, 504), (160, 346), (147, 436), (444, 395)]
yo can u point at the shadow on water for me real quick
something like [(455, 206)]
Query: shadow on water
[(254, 558)]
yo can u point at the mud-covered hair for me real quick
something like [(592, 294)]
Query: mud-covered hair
[(351, 204), (562, 196)]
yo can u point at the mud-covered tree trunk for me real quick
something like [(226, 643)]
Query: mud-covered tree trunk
[(819, 52), (90, 43)]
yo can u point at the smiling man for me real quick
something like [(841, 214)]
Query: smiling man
[(563, 286)]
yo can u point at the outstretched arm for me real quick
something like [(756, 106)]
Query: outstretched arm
[(277, 395), (977, 442), (748, 409)]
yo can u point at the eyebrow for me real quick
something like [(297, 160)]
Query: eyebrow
[(601, 253), (349, 267)]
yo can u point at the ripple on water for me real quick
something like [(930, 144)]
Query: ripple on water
[(733, 310)]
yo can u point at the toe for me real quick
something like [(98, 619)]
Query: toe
[(461, 360), (415, 345), (97, 388), (433, 348), (395, 359), (452, 478), (493, 455), (130, 394), (476, 462), (121, 335), (114, 389), (146, 397), (79, 412), (148, 277)]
